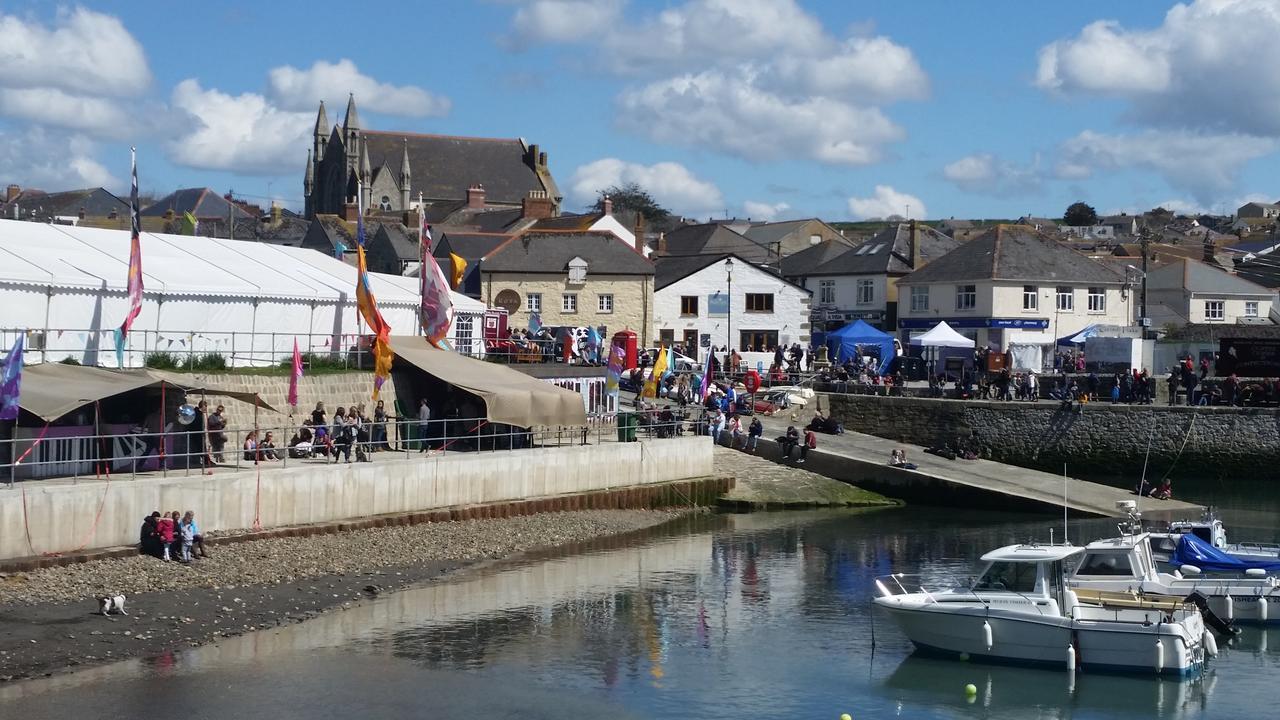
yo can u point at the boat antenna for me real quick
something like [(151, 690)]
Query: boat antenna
[(1065, 541), (1142, 482)]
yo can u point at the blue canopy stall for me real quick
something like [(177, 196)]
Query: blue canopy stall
[(844, 342)]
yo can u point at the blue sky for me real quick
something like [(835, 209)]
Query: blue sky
[(762, 108)]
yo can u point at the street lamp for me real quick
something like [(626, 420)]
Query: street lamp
[(728, 279)]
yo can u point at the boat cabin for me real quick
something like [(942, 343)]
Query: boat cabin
[(1034, 572), (1122, 558), (1209, 530)]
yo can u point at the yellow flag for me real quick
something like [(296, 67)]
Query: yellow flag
[(459, 270), (659, 369)]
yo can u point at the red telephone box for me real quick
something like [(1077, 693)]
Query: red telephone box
[(630, 351)]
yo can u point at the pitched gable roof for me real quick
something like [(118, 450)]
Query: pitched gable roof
[(807, 260), (670, 270), (445, 166), (1196, 276), (200, 202), (712, 238), (551, 252), (96, 202), (1014, 252), (469, 246), (889, 252)]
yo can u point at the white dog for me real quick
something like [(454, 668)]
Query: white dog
[(112, 604)]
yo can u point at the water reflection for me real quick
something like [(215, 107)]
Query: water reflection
[(738, 616)]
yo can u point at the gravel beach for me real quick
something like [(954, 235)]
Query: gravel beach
[(48, 620)]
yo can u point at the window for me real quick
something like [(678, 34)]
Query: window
[(1097, 300), (463, 334), (920, 299), (827, 292), (534, 301), (1019, 577), (385, 204), (604, 303), (577, 271), (1066, 299), (966, 297), (866, 292), (689, 305), (760, 302), (1251, 308), (1214, 310), (1030, 297), (757, 340), (1105, 564), (569, 302), (815, 239)]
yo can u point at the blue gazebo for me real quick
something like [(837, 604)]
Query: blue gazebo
[(844, 342)]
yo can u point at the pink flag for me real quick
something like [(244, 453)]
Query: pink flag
[(436, 313), (295, 376)]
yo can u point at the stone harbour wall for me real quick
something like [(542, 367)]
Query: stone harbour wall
[(333, 389), (1105, 439)]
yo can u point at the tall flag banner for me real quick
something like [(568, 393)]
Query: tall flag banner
[(368, 307), (706, 376), (535, 323), (459, 267), (655, 378), (295, 376), (190, 225), (613, 373), (593, 344), (135, 262), (436, 313), (11, 381)]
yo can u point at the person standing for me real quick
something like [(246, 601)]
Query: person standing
[(217, 433), (188, 535), (380, 427), (164, 533), (424, 424), (197, 538)]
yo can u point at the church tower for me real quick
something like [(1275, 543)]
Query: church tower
[(366, 178), (405, 176), (351, 136)]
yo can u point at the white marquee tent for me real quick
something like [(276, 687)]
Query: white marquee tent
[(247, 301), (942, 336)]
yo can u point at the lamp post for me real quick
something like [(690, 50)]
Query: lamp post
[(728, 279)]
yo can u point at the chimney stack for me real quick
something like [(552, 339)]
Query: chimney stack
[(639, 232), (81, 213), (475, 197), (608, 205), (351, 212), (1209, 249), (11, 193), (168, 214), (662, 243), (277, 214), (537, 205)]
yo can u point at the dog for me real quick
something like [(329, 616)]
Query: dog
[(111, 604)]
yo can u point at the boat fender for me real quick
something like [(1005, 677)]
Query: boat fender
[(1255, 573), (1262, 609), (1071, 658), (1189, 570), (986, 634), (1228, 609), (1159, 657), (1210, 643)]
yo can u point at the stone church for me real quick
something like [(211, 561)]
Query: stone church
[(394, 169)]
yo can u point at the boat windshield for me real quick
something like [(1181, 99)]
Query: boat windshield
[(1017, 577)]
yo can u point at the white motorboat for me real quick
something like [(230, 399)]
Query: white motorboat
[(1125, 565), (1020, 611), (1209, 529)]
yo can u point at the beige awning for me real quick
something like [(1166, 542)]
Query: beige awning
[(510, 397), (51, 390)]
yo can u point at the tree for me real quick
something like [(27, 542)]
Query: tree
[(630, 196), (1080, 214)]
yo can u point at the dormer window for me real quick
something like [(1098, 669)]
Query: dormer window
[(385, 204), (577, 271)]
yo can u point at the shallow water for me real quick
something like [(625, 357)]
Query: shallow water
[(738, 616)]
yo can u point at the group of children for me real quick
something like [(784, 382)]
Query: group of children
[(171, 536)]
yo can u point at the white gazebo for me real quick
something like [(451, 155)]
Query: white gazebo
[(942, 335)]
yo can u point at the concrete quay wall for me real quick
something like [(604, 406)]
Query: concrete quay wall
[(1102, 439), (61, 516)]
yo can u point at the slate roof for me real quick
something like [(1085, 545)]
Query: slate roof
[(444, 166), (672, 269), (1014, 252), (470, 246), (403, 244), (712, 238), (1206, 333), (565, 222), (1262, 270), (889, 252), (806, 261), (769, 233), (551, 252), (1198, 277), (200, 202), (486, 220), (96, 202)]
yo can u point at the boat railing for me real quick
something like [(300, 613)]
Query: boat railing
[(1257, 547), (903, 584)]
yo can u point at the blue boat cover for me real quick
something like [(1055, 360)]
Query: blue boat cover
[(1191, 550)]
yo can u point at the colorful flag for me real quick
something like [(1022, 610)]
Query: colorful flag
[(459, 269), (368, 307), (135, 263), (593, 344), (535, 323), (706, 376), (11, 381), (617, 356), (659, 369), (190, 225), (295, 376), (436, 313)]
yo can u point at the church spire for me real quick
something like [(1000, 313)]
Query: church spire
[(309, 180), (352, 120), (405, 176), (322, 122), (366, 169)]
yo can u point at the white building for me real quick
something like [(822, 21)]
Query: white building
[(1014, 286), (1188, 291), (700, 303)]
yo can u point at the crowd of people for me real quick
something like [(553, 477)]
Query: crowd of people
[(172, 536)]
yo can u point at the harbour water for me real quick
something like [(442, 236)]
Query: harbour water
[(727, 616)]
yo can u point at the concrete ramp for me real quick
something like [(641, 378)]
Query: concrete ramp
[(863, 460)]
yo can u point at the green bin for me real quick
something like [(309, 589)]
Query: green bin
[(627, 423)]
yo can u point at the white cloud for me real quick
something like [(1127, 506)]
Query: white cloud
[(1210, 65), (302, 90), (734, 115), (986, 173), (242, 133), (671, 184), (38, 158), (873, 70), (83, 52), (886, 203), (557, 21), (764, 211), (1202, 164)]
